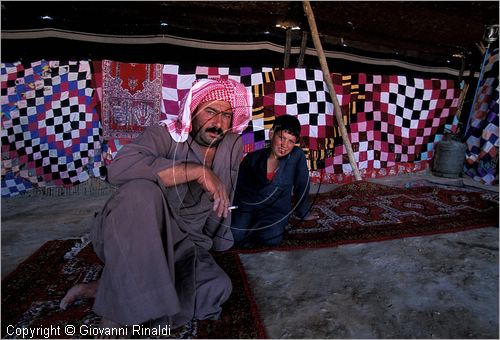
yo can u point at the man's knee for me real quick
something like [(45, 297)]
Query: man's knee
[(143, 193), (136, 187), (136, 212)]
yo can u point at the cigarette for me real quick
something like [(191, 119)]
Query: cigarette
[(232, 207)]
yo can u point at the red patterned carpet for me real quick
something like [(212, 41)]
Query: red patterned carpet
[(355, 212), (31, 296), (364, 212)]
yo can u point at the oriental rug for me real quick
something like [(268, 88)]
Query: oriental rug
[(364, 212), (131, 98), (32, 293)]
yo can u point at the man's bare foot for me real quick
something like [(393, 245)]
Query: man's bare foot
[(79, 291)]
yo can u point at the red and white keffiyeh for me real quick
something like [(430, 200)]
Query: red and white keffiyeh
[(204, 90)]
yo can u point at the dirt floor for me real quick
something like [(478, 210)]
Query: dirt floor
[(440, 286)]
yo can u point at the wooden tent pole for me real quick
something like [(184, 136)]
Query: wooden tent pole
[(326, 75), (288, 47), (303, 47)]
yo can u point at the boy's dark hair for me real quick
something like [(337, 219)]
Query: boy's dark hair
[(288, 124)]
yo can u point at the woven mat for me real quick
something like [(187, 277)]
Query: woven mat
[(364, 212), (32, 293)]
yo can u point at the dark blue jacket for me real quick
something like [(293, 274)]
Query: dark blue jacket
[(256, 194)]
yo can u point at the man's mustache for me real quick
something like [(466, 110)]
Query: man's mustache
[(216, 130)]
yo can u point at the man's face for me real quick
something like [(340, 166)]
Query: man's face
[(211, 121), (282, 143)]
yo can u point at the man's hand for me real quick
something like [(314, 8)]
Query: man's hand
[(187, 172), (213, 185)]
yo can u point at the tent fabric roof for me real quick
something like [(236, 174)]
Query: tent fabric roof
[(430, 32)]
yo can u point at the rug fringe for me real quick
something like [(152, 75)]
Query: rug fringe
[(85, 240), (93, 186)]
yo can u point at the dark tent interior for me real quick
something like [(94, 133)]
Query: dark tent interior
[(427, 32), (438, 34), (402, 161)]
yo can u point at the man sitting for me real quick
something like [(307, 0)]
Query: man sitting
[(154, 234)]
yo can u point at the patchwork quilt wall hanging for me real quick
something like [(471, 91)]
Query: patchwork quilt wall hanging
[(482, 136), (50, 130), (393, 121)]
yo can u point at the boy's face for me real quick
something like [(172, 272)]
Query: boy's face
[(282, 143)]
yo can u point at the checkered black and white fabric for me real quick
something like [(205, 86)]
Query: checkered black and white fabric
[(51, 134), (304, 94), (392, 121), (51, 131), (298, 92)]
